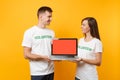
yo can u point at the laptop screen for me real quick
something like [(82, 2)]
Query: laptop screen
[(64, 46)]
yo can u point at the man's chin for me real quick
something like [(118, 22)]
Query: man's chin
[(48, 24)]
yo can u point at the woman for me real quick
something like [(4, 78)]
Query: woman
[(89, 51)]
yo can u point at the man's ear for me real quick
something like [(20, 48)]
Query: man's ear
[(40, 16)]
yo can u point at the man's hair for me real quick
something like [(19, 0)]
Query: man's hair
[(43, 9)]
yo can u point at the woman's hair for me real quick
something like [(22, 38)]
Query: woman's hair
[(93, 26)]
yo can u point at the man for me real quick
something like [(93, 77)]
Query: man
[(37, 46)]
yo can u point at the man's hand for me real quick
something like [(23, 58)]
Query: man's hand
[(46, 58)]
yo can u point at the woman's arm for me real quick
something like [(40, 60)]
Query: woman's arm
[(96, 61)]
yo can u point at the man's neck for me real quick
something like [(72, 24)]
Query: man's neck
[(40, 25)]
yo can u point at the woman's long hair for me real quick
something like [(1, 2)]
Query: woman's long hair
[(93, 26)]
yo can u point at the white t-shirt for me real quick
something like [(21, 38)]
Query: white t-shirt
[(88, 50), (39, 40)]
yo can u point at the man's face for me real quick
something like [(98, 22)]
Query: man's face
[(46, 17)]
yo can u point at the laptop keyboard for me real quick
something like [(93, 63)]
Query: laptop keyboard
[(63, 57)]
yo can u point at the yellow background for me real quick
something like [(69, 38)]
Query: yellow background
[(18, 15)]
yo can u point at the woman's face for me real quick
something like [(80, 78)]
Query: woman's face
[(85, 27)]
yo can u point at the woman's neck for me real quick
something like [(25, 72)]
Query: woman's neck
[(88, 37)]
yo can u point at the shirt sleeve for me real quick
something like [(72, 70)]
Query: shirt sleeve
[(98, 47), (27, 39), (53, 34)]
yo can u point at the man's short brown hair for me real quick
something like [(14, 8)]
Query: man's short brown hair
[(43, 9)]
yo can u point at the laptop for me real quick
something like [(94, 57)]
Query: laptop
[(64, 49)]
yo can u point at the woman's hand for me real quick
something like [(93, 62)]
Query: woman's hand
[(79, 59)]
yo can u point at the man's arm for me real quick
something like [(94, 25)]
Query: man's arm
[(34, 57)]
